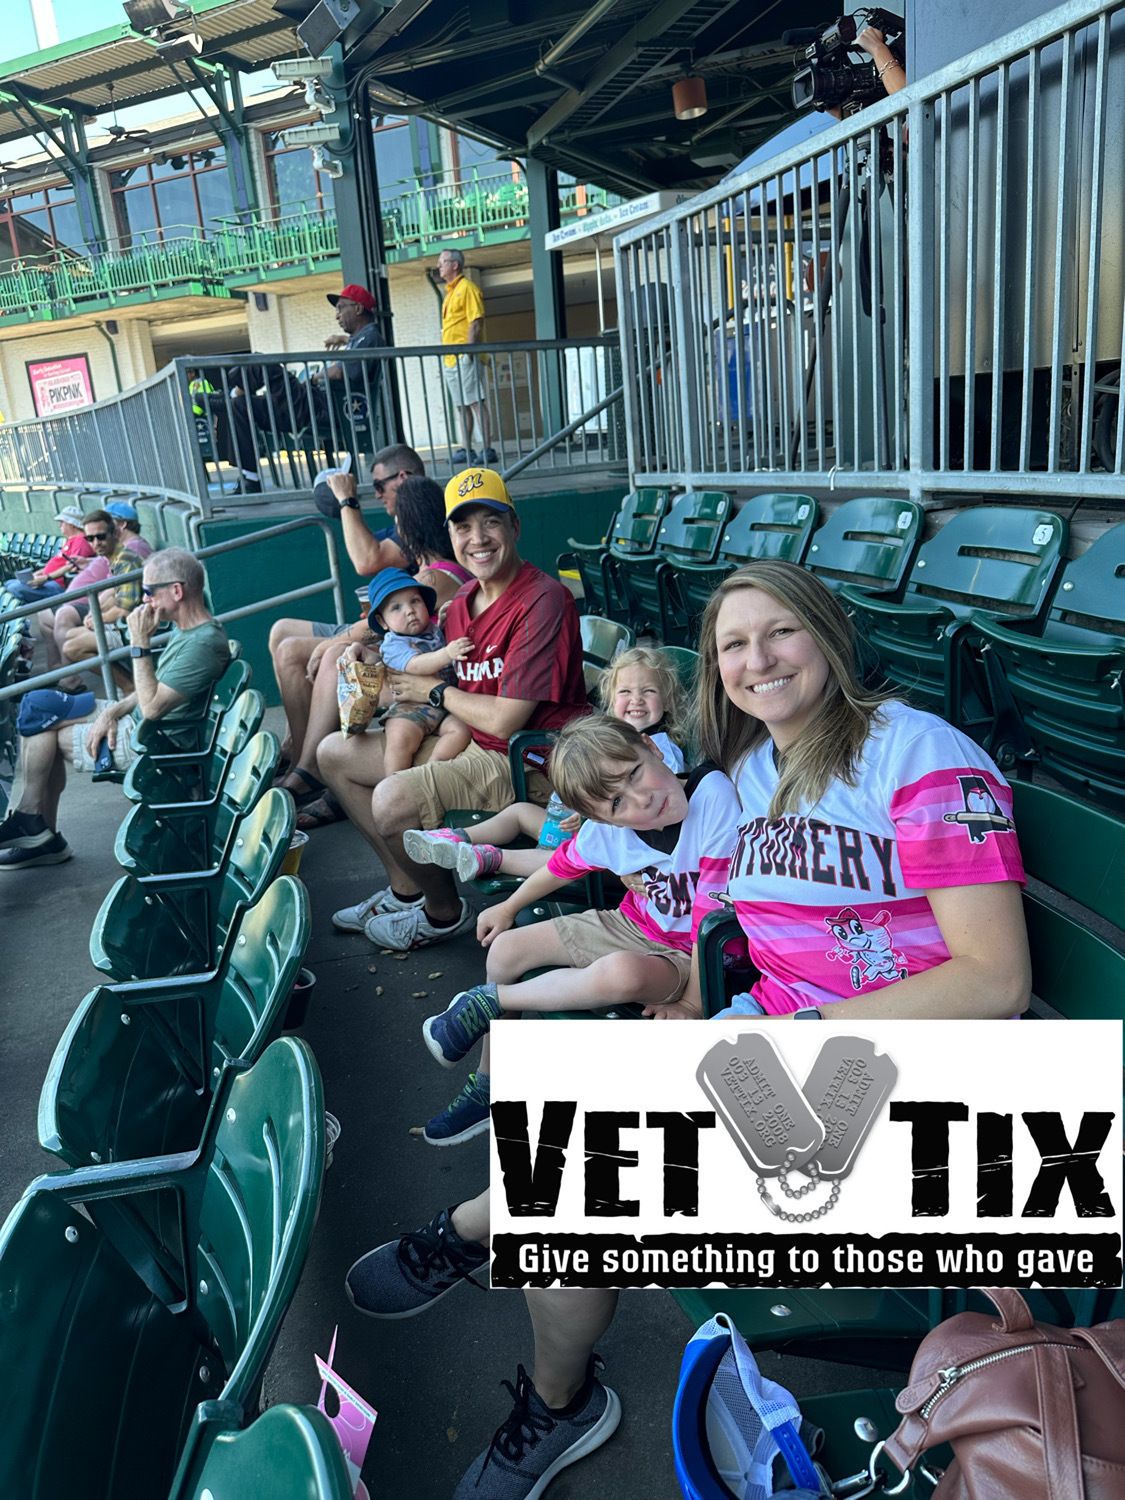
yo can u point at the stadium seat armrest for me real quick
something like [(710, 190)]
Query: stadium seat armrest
[(115, 1179), (181, 880), (170, 987)]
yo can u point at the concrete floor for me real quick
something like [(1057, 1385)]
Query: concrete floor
[(434, 1379)]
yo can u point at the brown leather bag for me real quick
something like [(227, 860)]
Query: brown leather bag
[(1032, 1412)]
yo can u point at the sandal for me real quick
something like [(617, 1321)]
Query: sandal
[(321, 813), (314, 787)]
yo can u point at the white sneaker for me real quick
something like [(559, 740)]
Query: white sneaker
[(354, 918), (407, 928), (437, 846)]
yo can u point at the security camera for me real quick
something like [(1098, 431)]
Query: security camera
[(297, 69), (329, 165), (311, 135)]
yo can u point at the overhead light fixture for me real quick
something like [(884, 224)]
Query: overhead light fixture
[(689, 97)]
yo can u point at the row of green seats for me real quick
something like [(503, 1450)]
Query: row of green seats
[(984, 623), (145, 1287)]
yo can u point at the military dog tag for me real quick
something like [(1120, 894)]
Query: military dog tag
[(847, 1087), (760, 1103)]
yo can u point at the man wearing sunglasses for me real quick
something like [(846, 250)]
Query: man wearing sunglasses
[(298, 646), (67, 633), (59, 729)]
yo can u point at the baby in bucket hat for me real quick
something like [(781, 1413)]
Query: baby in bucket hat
[(413, 642)]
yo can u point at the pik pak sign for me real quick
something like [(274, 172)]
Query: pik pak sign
[(908, 1153)]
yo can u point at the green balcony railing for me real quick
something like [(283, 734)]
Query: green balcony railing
[(416, 219)]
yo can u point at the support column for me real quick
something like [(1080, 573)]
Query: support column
[(355, 194), (81, 179), (240, 168), (548, 292)]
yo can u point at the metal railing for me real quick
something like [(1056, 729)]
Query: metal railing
[(269, 423), (926, 297), (416, 218), (107, 652)]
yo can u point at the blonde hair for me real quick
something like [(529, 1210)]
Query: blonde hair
[(667, 680), (584, 755), (830, 746)]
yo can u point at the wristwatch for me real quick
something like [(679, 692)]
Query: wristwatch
[(352, 504), (437, 694), (808, 1013), (138, 651)]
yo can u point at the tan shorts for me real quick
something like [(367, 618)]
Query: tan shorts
[(124, 752), (591, 935), (466, 381), (477, 779)]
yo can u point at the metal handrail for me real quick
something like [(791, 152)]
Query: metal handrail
[(105, 656)]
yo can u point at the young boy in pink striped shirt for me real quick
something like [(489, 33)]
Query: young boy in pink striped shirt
[(669, 838)]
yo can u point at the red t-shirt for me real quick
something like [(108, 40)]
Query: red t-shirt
[(74, 548), (526, 645)]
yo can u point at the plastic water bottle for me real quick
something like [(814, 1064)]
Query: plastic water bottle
[(551, 834)]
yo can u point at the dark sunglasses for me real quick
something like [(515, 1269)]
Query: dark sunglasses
[(150, 588), (99, 536), (379, 485)]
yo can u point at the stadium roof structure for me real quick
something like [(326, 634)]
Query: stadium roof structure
[(585, 85), (242, 35)]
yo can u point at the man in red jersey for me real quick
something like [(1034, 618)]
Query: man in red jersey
[(524, 672)]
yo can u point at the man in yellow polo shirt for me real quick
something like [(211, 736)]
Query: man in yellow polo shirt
[(466, 379)]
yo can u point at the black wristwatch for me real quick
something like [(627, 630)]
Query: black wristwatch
[(437, 694), (138, 651), (808, 1013), (349, 504)]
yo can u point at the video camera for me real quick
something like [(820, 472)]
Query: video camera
[(828, 78)]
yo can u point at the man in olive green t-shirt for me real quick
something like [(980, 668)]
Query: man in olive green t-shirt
[(176, 686)]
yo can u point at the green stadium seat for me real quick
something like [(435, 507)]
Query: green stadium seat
[(870, 542), (690, 533), (167, 779), (151, 926), (602, 640), (135, 1070), (119, 1329), (288, 1453), (632, 533), (1075, 852), (158, 840), (1000, 562), (152, 734), (1065, 680), (765, 526), (686, 662)]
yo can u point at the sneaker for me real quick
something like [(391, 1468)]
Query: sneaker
[(434, 846), (49, 849), (463, 1118), (459, 456), (451, 1035), (490, 456), (355, 918), (405, 1276), (449, 849), (536, 1443), (403, 928), (21, 830)]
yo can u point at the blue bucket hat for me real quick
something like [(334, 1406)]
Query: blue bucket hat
[(390, 581), (122, 510), (43, 708)]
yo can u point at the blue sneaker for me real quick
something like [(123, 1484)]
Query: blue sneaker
[(467, 1017), (463, 1117), (407, 1275)]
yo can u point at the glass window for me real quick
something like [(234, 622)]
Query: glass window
[(469, 153), (215, 198), (394, 157), (175, 204), (172, 195), (136, 214), (294, 186), (40, 222)]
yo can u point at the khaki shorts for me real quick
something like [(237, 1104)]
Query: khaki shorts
[(124, 752), (477, 779), (466, 381), (591, 935)]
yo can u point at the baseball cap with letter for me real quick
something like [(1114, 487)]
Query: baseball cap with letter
[(477, 487), (354, 293)]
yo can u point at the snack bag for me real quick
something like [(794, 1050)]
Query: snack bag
[(358, 685)]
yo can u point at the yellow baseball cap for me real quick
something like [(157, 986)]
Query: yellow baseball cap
[(477, 487)]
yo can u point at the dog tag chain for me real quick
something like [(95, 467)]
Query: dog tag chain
[(781, 1128)]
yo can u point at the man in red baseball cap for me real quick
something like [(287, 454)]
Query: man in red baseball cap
[(270, 409)]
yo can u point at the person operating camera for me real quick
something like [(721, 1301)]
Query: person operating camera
[(888, 70)]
